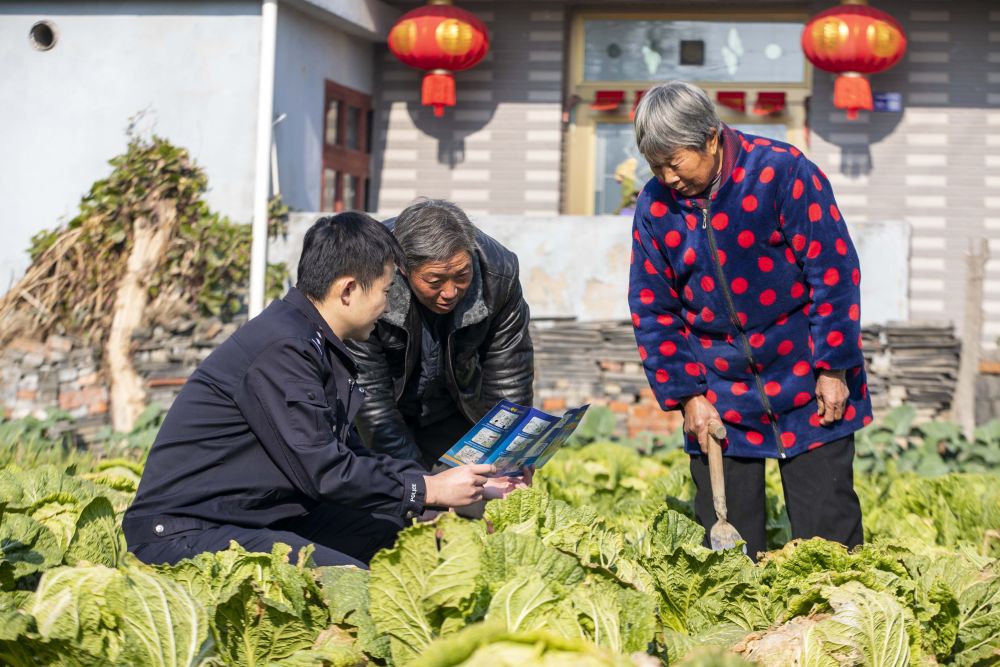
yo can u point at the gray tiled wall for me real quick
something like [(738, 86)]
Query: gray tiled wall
[(498, 150), (936, 165)]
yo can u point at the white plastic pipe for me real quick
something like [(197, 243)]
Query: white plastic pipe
[(275, 181), (262, 160)]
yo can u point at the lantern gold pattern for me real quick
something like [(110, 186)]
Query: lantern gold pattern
[(453, 36), (404, 37), (830, 34), (883, 39)]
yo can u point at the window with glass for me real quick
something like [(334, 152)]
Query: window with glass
[(724, 51), (621, 171), (346, 148), (752, 66)]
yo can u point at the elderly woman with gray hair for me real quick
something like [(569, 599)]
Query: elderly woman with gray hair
[(744, 292)]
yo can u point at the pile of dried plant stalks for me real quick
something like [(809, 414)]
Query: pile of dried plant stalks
[(137, 235), (76, 271)]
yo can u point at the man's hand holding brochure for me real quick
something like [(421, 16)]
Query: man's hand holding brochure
[(514, 439)]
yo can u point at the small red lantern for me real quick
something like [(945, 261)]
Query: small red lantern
[(442, 39), (853, 40)]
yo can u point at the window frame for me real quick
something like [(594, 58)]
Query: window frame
[(345, 161), (579, 185)]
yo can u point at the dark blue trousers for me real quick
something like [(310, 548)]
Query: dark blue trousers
[(341, 535)]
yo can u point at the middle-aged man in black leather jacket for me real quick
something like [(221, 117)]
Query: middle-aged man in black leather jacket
[(259, 447), (453, 343)]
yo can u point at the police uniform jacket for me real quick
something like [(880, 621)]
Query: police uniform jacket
[(262, 432)]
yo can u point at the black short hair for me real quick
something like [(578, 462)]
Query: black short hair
[(346, 244)]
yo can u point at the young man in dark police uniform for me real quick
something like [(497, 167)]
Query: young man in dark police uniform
[(259, 446)]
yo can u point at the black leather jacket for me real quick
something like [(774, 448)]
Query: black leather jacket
[(488, 350)]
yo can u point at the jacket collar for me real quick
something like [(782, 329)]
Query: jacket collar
[(296, 298), (470, 310), (730, 154)]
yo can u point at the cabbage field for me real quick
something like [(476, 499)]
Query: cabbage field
[(599, 564)]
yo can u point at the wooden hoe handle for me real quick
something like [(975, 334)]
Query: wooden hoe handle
[(717, 433)]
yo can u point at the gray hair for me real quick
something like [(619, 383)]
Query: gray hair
[(433, 230), (671, 116)]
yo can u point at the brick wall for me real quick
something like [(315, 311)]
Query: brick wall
[(575, 363), (597, 363), (38, 378), (987, 397)]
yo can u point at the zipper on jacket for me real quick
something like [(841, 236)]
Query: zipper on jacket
[(452, 383), (734, 318)]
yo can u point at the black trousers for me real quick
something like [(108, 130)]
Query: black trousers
[(437, 438), (341, 535), (819, 495)]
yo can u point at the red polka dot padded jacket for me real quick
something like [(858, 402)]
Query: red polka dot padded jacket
[(746, 299)]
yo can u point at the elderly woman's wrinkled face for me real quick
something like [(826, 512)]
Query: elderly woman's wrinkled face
[(689, 171)]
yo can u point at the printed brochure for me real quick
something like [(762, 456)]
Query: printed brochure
[(512, 437)]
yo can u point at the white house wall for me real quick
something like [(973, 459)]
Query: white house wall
[(310, 52), (577, 266), (190, 67)]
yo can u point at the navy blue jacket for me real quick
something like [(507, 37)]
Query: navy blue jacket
[(262, 432), (747, 299)]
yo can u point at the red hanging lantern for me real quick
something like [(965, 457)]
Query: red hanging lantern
[(853, 40), (442, 39)]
